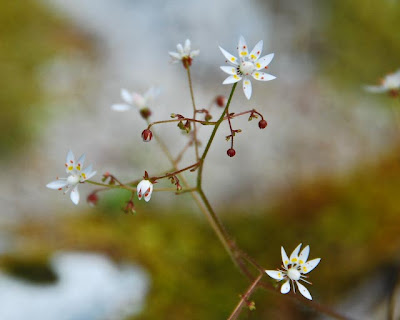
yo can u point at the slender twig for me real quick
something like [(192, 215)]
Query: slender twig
[(175, 172), (205, 123), (196, 145), (235, 314), (111, 186)]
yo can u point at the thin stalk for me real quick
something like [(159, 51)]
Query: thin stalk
[(196, 145)]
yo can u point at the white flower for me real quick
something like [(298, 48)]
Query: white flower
[(389, 83), (76, 175), (136, 99), (248, 64), (144, 189), (184, 54), (294, 270)]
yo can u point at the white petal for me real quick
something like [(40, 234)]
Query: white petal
[(277, 275), (120, 107), (194, 53), (175, 55), (256, 52), (303, 290), (139, 100), (180, 48), (151, 93), (242, 48), (294, 257), (86, 173), (91, 174), (304, 254), (285, 287), (57, 184), (229, 70), (69, 162), (247, 88), (126, 96), (262, 76), (264, 61), (229, 57), (375, 89), (187, 46), (232, 79), (310, 265), (75, 195), (285, 258), (148, 192), (80, 162)]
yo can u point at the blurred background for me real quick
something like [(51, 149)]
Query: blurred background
[(325, 172)]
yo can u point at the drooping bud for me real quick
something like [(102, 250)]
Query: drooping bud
[(130, 207), (147, 135), (220, 101), (262, 124), (92, 199), (231, 152), (145, 113), (208, 117)]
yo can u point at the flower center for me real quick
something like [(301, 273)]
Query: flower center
[(293, 274), (247, 67), (73, 179)]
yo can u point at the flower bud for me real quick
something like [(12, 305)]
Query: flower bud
[(262, 124), (92, 199), (220, 101), (208, 117), (145, 113), (147, 135), (231, 152)]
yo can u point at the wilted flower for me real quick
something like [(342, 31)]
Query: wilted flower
[(390, 83), (248, 64), (294, 270), (136, 99), (144, 189), (76, 175), (184, 54)]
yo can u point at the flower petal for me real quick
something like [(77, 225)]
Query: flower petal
[(175, 55), (264, 61), (304, 254), (147, 194), (285, 258), (277, 275), (126, 96), (180, 49), (247, 88), (120, 107), (242, 48), (151, 93), (57, 184), (79, 163), (256, 52), (294, 257), (229, 57), (228, 70), (310, 265), (69, 162), (194, 53), (232, 79), (139, 100), (262, 76), (375, 89), (75, 195), (87, 173), (285, 287), (304, 291), (186, 49)]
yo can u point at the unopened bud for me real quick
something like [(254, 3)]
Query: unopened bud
[(145, 113), (231, 152), (262, 124), (147, 135), (130, 207), (208, 117), (173, 115), (220, 101), (394, 93), (92, 199)]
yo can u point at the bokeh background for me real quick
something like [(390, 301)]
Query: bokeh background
[(325, 172)]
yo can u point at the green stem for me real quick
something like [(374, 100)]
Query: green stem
[(196, 145)]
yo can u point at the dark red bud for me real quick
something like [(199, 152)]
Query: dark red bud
[(208, 117), (394, 93), (262, 124), (92, 199), (187, 62), (231, 152), (145, 113), (147, 135), (220, 101)]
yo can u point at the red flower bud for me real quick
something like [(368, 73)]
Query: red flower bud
[(220, 101), (147, 135), (262, 124), (231, 152), (92, 199)]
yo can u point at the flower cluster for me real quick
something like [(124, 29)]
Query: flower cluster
[(390, 83), (295, 269), (76, 175)]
